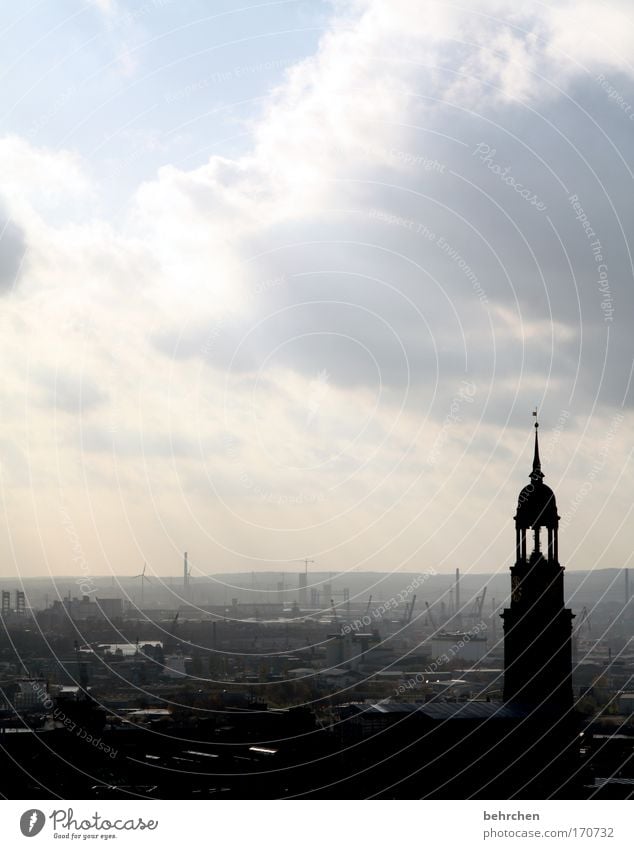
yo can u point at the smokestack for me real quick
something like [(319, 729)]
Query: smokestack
[(627, 586), (303, 598), (185, 573), (458, 593)]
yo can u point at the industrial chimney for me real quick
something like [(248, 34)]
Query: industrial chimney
[(458, 613)]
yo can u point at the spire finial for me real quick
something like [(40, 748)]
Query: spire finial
[(536, 474)]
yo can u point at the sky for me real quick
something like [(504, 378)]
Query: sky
[(286, 280)]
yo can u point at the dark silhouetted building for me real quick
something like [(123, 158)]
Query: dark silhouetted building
[(537, 625)]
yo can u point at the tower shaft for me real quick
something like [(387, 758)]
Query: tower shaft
[(537, 624)]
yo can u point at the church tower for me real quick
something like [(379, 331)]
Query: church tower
[(537, 625)]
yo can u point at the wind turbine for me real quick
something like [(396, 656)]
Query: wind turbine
[(144, 578)]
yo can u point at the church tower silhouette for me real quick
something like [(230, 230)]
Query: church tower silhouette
[(537, 625)]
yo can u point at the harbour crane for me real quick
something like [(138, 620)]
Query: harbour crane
[(410, 612), (480, 602), (431, 615)]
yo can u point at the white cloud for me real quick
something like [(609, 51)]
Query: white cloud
[(106, 7), (47, 181)]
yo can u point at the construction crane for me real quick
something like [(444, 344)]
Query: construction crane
[(480, 602), (409, 610), (431, 615), (475, 614)]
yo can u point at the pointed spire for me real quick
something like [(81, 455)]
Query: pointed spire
[(536, 474)]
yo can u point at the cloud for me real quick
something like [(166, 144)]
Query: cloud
[(413, 211), (367, 148), (70, 393), (12, 252), (48, 181), (106, 7)]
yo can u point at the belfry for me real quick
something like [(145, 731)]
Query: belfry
[(537, 625)]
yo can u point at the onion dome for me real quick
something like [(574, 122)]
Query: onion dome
[(536, 505)]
